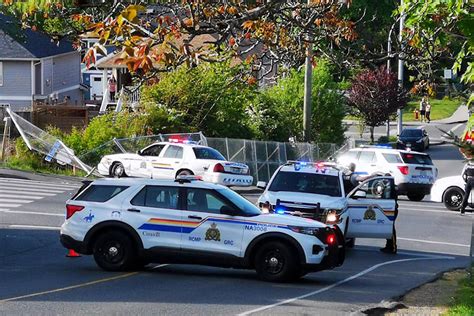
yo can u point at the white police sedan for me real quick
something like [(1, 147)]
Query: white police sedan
[(168, 160), (126, 223)]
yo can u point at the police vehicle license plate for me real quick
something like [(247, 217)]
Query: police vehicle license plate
[(236, 170)]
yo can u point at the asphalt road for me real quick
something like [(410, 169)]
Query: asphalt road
[(37, 278)]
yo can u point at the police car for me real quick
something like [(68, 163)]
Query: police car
[(450, 191), (414, 172), (167, 160), (126, 223), (322, 191)]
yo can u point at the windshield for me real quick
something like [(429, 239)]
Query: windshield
[(242, 203), (411, 133), (207, 153), (418, 159), (314, 183)]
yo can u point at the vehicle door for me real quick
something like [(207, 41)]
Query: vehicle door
[(207, 229), (144, 167), (158, 216), (168, 162), (371, 209), (367, 163)]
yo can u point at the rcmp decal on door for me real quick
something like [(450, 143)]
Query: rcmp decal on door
[(213, 233)]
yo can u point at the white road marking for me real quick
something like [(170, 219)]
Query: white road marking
[(433, 242), (34, 189), (15, 200), (32, 213), (21, 191), (327, 288), (34, 227), (429, 211), (33, 182), (16, 195), (9, 205)]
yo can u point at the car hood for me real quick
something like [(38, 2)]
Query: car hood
[(277, 219), (336, 202), (450, 181)]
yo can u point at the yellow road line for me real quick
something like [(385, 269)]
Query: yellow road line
[(72, 287)]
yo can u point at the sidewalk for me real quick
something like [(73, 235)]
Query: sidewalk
[(461, 115)]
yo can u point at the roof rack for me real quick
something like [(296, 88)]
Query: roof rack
[(187, 179)]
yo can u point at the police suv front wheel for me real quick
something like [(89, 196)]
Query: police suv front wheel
[(113, 251), (276, 262)]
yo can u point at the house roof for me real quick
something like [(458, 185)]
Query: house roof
[(16, 42)]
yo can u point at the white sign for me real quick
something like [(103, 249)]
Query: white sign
[(448, 73)]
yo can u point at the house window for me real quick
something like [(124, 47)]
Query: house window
[(1, 74)]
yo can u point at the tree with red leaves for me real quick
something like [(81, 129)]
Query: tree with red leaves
[(374, 96)]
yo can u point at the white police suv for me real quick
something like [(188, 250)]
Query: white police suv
[(168, 160), (414, 172), (323, 192), (126, 223)]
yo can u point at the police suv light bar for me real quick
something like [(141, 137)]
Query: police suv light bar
[(187, 179)]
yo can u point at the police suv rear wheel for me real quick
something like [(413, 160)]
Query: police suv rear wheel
[(276, 262), (415, 196), (113, 251)]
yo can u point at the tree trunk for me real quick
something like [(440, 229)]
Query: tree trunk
[(372, 134)]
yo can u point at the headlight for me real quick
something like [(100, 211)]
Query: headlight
[(266, 207), (305, 230), (332, 217)]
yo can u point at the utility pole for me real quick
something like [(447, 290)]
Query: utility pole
[(308, 84), (400, 67), (389, 56)]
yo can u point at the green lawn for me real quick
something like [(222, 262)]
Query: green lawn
[(440, 109), (464, 299)]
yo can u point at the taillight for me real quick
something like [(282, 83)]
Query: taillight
[(331, 239), (403, 169), (71, 209), (218, 168)]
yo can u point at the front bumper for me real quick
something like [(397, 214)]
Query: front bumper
[(413, 146), (70, 243), (404, 188), (103, 169), (334, 257), (228, 179)]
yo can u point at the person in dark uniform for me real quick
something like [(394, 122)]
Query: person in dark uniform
[(468, 177), (352, 180)]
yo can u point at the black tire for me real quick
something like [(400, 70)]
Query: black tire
[(277, 262), (350, 243), (415, 196), (184, 172), (452, 198), (114, 251), (117, 170)]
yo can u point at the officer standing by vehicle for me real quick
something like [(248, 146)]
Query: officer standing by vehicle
[(468, 177), (352, 180)]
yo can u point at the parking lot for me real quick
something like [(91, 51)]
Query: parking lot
[(38, 278)]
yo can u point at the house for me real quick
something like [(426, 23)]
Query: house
[(33, 67)]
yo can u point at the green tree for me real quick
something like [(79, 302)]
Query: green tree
[(211, 98), (277, 113)]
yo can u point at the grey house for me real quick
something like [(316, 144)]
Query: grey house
[(33, 67)]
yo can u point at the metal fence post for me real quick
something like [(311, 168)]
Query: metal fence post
[(255, 159), (6, 133), (227, 147), (266, 160)]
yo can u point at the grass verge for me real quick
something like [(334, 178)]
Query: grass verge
[(463, 299), (440, 109)]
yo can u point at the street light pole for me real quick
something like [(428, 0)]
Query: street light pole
[(308, 83), (400, 67)]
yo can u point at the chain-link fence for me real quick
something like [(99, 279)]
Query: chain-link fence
[(263, 157)]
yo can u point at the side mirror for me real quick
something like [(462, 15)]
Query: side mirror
[(359, 194), (226, 210), (139, 152), (261, 184)]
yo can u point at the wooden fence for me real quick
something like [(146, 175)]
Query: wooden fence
[(62, 116)]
